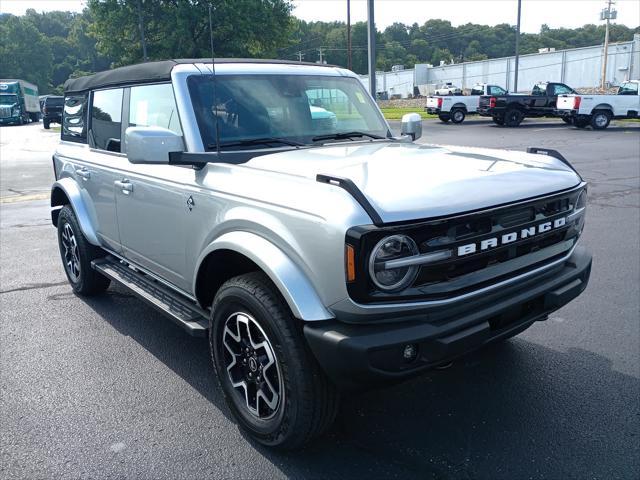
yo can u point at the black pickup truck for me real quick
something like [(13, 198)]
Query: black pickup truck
[(51, 107), (511, 109)]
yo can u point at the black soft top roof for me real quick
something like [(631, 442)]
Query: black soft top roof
[(152, 72)]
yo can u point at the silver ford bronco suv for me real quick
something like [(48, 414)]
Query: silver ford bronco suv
[(267, 206)]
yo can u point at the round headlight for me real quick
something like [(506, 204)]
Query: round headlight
[(390, 248)]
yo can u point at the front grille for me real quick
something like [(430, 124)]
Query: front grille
[(487, 263), (5, 111)]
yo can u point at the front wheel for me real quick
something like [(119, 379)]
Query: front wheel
[(77, 253), (600, 119), (271, 382), (458, 115)]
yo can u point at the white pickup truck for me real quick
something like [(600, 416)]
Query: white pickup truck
[(457, 107), (598, 110)]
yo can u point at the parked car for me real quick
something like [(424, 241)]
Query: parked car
[(511, 109), (448, 89), (456, 108), (314, 260), (18, 102), (51, 107), (598, 110)]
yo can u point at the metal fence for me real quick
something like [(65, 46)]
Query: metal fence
[(577, 67)]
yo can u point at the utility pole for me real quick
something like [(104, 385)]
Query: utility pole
[(300, 56), (143, 42), (515, 82), (320, 53), (606, 14), (371, 30), (349, 34)]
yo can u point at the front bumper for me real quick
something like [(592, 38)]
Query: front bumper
[(364, 355), (9, 120)]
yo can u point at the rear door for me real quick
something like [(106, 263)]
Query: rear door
[(151, 200)]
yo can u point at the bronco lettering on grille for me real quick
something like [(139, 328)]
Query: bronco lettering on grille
[(510, 237)]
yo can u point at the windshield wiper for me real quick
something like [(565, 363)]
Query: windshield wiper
[(345, 135), (257, 141)]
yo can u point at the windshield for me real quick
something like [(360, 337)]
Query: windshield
[(8, 99), (295, 108)]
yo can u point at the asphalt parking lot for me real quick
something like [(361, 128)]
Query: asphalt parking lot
[(107, 388)]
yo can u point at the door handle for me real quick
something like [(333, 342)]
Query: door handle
[(124, 185), (83, 173)]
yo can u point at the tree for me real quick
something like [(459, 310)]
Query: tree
[(24, 51)]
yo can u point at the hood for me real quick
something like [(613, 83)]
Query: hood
[(406, 181)]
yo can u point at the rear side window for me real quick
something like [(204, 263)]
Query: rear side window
[(562, 90), (106, 119), (74, 118), (477, 91), (154, 106), (495, 90)]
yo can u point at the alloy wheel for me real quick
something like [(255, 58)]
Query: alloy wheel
[(71, 254), (252, 366)]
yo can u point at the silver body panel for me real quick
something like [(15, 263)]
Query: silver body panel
[(272, 210)]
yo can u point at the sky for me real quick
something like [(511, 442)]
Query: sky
[(555, 13)]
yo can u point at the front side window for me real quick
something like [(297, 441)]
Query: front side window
[(74, 118), (539, 90), (154, 106), (628, 88), (106, 119), (296, 108)]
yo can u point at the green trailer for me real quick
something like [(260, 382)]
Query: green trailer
[(18, 102)]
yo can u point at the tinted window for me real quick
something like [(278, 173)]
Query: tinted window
[(539, 90), (74, 118), (628, 88), (495, 90), (154, 106), (562, 90), (54, 102), (106, 121)]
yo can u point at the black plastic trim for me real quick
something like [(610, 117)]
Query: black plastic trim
[(552, 153), (355, 192)]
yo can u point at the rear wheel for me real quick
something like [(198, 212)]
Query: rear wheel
[(600, 119), (77, 253), (444, 118), (457, 115), (271, 382), (513, 117)]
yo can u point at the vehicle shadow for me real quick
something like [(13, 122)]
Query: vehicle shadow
[(514, 410)]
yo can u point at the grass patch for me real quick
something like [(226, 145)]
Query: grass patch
[(396, 113)]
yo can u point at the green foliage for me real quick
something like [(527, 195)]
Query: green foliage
[(47, 48)]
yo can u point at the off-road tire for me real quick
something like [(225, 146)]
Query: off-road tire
[(444, 118), (88, 281), (513, 117), (457, 115), (309, 401), (600, 119)]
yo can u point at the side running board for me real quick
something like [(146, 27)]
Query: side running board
[(355, 192), (179, 310)]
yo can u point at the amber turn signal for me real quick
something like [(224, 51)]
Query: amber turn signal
[(350, 263)]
